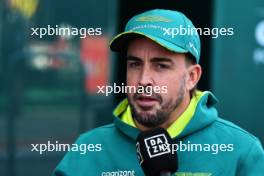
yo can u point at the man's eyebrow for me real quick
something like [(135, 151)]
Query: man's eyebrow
[(161, 59), (133, 58)]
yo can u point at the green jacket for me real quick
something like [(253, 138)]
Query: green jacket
[(224, 148)]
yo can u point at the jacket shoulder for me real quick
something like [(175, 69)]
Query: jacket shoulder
[(229, 129), (97, 133)]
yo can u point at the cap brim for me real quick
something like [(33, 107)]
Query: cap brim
[(121, 41)]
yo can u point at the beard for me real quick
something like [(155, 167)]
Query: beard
[(162, 114)]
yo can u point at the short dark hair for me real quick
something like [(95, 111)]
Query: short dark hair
[(190, 60)]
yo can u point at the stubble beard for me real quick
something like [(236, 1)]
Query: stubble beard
[(162, 114)]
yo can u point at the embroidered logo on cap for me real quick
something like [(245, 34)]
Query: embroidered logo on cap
[(153, 19)]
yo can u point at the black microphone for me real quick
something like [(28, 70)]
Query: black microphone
[(154, 153)]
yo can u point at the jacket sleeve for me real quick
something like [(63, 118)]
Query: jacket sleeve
[(253, 162), (68, 166), (63, 168)]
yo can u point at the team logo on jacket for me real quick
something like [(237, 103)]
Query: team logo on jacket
[(140, 158), (157, 145)]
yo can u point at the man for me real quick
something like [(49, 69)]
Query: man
[(158, 57)]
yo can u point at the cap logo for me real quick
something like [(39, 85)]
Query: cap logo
[(153, 19)]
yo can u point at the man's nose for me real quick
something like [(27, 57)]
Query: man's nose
[(146, 77)]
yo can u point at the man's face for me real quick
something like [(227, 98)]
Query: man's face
[(149, 64)]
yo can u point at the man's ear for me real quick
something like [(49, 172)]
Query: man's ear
[(193, 76)]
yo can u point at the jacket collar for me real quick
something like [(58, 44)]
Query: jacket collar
[(204, 115)]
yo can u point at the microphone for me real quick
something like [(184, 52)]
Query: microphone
[(154, 153)]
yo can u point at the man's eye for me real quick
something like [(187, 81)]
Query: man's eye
[(133, 64), (162, 66)]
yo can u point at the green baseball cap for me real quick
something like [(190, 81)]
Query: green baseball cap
[(170, 29)]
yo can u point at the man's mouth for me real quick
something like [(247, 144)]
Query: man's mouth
[(146, 102)]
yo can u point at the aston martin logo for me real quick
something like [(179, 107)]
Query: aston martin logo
[(153, 19)]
